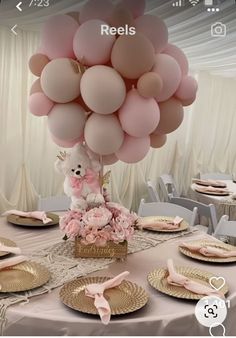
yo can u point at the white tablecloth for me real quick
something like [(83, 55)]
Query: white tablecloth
[(225, 205), (163, 315)]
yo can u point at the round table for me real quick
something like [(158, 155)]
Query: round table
[(163, 315), (225, 205)]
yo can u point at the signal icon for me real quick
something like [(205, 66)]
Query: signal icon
[(178, 3)]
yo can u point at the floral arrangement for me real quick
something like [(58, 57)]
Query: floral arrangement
[(108, 222)]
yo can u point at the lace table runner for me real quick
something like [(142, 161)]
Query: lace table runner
[(59, 260)]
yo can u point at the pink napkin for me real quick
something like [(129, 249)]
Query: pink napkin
[(10, 249), (212, 189), (176, 278), (209, 251), (160, 225), (96, 291), (41, 215), (5, 263)]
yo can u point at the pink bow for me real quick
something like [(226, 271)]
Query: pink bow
[(90, 178)]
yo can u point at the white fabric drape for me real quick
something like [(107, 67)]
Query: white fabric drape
[(204, 142)]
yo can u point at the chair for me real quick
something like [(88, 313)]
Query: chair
[(208, 211), (167, 209), (216, 176), (168, 187), (54, 203), (152, 192), (225, 227)]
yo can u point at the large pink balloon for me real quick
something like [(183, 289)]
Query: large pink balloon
[(66, 144), (96, 9), (102, 89), (179, 56), (187, 89), (171, 116), (37, 63), (169, 70), (132, 55), (103, 134), (136, 7), (154, 29), (139, 116), (109, 159), (60, 80), (133, 149), (39, 104), (66, 121), (91, 47), (57, 36), (36, 87)]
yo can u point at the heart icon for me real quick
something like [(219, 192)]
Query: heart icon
[(217, 332), (220, 281)]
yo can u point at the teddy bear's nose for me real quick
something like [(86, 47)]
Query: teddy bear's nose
[(77, 172)]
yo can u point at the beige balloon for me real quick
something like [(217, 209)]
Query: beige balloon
[(103, 134), (103, 89), (37, 63), (66, 121), (158, 140), (121, 17), (149, 85), (60, 80), (36, 87), (132, 55)]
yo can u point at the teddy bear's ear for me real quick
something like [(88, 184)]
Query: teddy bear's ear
[(79, 148)]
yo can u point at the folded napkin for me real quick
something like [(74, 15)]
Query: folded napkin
[(176, 278), (5, 263), (209, 251), (10, 249), (212, 189), (96, 291), (153, 224), (41, 215), (208, 182)]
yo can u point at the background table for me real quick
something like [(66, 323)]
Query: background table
[(163, 315), (225, 205)]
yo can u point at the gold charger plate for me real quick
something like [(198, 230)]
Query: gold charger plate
[(183, 225), (199, 256), (158, 280), (28, 221), (24, 276), (7, 242), (212, 193), (125, 298)]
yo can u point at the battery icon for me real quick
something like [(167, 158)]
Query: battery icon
[(208, 3)]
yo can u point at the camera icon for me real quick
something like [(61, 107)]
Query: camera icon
[(218, 29)]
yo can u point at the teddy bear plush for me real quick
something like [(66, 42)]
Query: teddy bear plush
[(81, 184)]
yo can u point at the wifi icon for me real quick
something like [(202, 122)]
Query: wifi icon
[(194, 2)]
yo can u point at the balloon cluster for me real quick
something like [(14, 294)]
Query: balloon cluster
[(119, 93)]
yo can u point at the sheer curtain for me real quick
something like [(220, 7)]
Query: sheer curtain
[(204, 142)]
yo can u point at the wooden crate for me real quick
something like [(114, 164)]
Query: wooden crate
[(110, 250)]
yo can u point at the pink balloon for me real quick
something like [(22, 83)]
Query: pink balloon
[(103, 134), (66, 121), (109, 159), (179, 56), (136, 7), (36, 87), (169, 70), (171, 116), (40, 104), (188, 102), (66, 144), (37, 63), (154, 29), (57, 36), (94, 9), (139, 116), (187, 89), (133, 149), (90, 46)]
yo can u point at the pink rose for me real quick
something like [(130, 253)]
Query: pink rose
[(98, 217), (73, 228)]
